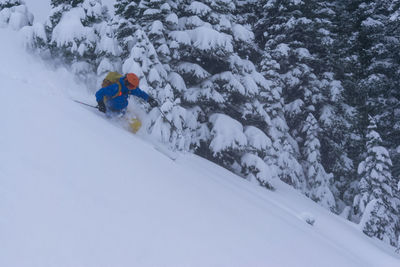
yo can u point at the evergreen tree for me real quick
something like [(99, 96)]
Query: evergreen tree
[(376, 202), (369, 67), (348, 70), (298, 38), (379, 82), (162, 42), (107, 51), (286, 32), (209, 51), (158, 19), (319, 181), (73, 33), (390, 109), (126, 12), (285, 147)]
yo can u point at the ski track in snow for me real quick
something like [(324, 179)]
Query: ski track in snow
[(78, 190)]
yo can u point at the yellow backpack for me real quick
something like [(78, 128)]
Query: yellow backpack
[(111, 78)]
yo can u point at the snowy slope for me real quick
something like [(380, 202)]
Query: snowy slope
[(76, 190)]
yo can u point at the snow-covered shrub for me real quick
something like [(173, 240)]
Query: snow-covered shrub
[(308, 218)]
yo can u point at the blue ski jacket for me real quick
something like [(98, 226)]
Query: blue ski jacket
[(118, 103)]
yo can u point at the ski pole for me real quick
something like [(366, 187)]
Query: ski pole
[(170, 123), (165, 117), (85, 104)]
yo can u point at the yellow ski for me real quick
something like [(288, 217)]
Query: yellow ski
[(135, 124)]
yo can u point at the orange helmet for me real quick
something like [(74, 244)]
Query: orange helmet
[(133, 80)]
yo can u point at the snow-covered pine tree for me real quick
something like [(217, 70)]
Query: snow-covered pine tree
[(336, 122), (286, 148), (35, 40), (369, 69), (297, 38), (157, 20), (383, 80), (284, 31), (108, 50), (348, 69), (220, 83), (376, 203), (319, 182), (126, 12), (72, 33), (246, 14), (14, 13), (392, 105)]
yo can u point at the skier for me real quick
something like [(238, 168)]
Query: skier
[(116, 88)]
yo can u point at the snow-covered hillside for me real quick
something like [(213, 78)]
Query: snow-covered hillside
[(77, 190)]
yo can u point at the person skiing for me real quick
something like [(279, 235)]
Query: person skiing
[(116, 88)]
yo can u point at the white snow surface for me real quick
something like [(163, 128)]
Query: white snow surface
[(79, 190)]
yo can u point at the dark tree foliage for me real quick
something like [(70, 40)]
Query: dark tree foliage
[(9, 3), (72, 3)]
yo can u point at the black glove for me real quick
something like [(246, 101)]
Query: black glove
[(152, 102), (101, 106)]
